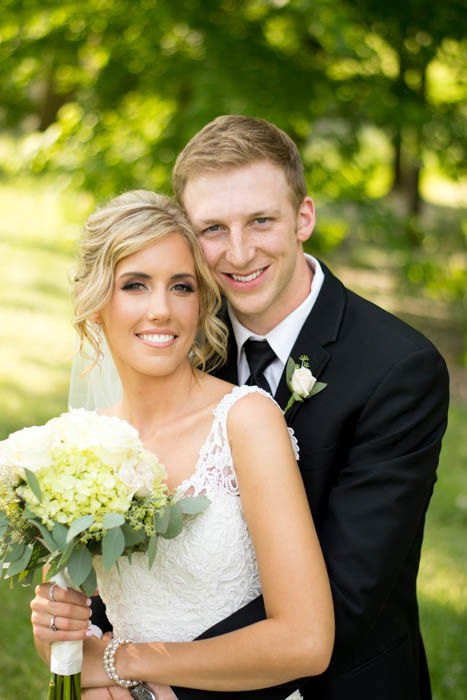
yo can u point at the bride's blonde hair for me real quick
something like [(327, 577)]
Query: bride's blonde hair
[(125, 225)]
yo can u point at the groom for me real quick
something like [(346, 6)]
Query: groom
[(369, 442)]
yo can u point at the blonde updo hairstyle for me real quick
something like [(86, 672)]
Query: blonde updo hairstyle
[(125, 225)]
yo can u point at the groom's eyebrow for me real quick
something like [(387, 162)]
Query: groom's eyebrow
[(265, 211)]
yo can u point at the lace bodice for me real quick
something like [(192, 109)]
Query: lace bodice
[(204, 574)]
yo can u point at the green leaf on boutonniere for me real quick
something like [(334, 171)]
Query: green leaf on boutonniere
[(291, 367), (319, 386)]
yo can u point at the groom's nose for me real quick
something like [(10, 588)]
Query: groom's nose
[(239, 251)]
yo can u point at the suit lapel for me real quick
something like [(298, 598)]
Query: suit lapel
[(320, 329)]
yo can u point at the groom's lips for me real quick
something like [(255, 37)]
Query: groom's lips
[(246, 280)]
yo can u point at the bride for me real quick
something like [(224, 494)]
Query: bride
[(143, 284)]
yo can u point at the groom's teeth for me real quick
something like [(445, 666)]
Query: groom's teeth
[(153, 338), (247, 278)]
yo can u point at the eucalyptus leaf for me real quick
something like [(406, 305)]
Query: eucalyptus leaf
[(79, 565), (132, 536), (152, 549), (79, 525), (192, 505), (3, 529), (66, 555), (112, 520), (161, 520), (113, 544), (175, 525), (15, 552), (59, 534), (90, 584), (33, 484), (48, 540), (20, 564)]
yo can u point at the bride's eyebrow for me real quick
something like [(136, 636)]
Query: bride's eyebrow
[(144, 275)]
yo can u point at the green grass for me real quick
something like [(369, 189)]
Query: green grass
[(38, 228)]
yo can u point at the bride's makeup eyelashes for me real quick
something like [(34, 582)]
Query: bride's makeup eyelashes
[(184, 287)]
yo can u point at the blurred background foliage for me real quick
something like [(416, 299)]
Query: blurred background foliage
[(103, 94), (100, 96)]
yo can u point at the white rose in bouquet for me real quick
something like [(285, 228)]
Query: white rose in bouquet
[(116, 438), (29, 448)]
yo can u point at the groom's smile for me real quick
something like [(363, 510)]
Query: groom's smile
[(252, 235)]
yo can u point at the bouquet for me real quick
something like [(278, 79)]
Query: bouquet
[(78, 486)]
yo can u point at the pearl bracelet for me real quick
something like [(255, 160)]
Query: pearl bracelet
[(109, 663)]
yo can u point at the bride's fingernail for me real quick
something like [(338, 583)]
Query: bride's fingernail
[(89, 633), (88, 601)]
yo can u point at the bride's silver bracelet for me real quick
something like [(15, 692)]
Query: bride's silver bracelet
[(109, 663)]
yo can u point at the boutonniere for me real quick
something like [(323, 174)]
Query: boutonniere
[(301, 382)]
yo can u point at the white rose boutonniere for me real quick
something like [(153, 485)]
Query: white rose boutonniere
[(301, 381)]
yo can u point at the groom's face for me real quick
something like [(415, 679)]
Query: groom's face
[(252, 235)]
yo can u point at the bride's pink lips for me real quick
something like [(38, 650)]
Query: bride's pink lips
[(157, 339), (250, 284)]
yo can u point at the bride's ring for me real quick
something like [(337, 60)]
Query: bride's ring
[(52, 624), (51, 592)]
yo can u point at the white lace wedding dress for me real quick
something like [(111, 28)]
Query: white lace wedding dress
[(201, 576)]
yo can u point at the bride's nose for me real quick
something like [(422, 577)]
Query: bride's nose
[(158, 306)]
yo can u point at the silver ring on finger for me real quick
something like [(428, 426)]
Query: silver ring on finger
[(52, 625), (52, 591)]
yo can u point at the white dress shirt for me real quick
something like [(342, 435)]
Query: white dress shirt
[(282, 337)]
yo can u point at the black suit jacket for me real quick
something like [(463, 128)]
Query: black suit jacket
[(369, 447)]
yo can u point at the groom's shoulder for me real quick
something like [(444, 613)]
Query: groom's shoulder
[(382, 329)]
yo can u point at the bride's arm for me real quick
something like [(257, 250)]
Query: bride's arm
[(296, 639)]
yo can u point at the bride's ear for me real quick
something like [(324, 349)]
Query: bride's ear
[(96, 318)]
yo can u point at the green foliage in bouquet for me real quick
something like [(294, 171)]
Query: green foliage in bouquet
[(79, 486)]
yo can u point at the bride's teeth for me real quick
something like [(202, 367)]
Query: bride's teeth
[(247, 278), (152, 338)]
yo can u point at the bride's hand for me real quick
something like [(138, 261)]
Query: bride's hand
[(69, 612)]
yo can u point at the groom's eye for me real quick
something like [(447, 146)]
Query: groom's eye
[(212, 229), (262, 220)]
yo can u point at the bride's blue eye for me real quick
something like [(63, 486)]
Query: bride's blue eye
[(133, 286), (183, 287)]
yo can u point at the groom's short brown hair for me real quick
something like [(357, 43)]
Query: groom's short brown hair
[(234, 140)]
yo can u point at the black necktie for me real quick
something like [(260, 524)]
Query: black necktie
[(259, 355)]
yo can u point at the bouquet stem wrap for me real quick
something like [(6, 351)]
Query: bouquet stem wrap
[(66, 658)]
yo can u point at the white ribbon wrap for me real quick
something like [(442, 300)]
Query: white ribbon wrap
[(66, 658)]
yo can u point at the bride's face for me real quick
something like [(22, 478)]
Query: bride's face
[(151, 319)]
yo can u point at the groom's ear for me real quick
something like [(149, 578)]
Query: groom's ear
[(306, 220)]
